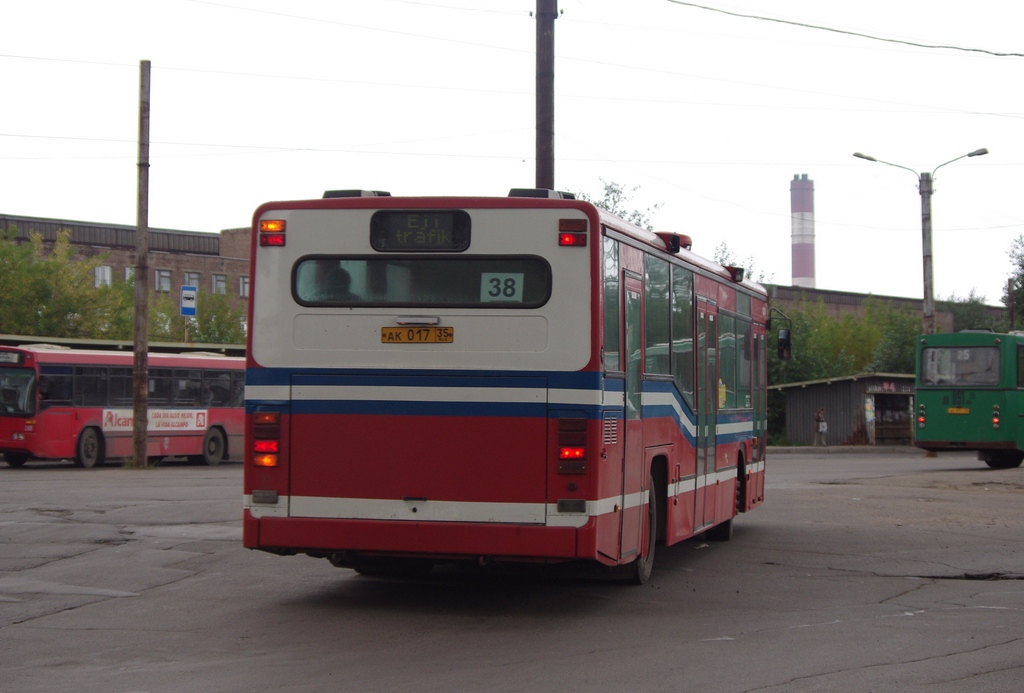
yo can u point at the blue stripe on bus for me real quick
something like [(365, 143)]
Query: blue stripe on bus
[(556, 379), (484, 379)]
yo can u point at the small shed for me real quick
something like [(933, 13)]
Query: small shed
[(866, 409)]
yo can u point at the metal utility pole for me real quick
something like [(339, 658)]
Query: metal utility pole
[(928, 307), (140, 413), (547, 12), (924, 181)]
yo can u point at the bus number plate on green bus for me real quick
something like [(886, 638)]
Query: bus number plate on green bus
[(958, 410), (417, 335)]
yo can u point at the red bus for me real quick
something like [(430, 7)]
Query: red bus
[(525, 378), (57, 402)]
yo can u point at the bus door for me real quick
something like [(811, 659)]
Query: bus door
[(758, 375), (633, 480), (760, 381), (707, 409)]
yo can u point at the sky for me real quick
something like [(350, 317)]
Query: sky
[(703, 111)]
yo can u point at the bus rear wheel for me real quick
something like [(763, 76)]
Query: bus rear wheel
[(723, 531), (16, 459), (1003, 459), (89, 451), (640, 569), (214, 448)]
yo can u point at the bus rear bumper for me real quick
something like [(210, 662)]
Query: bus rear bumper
[(954, 445), (457, 541)]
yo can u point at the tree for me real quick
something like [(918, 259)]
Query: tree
[(216, 322), (616, 198), (1013, 294), (972, 313), (53, 293), (896, 349), (882, 339)]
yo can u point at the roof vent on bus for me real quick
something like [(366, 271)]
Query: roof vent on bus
[(541, 192), (356, 193)]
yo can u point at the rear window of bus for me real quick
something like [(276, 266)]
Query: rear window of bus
[(450, 282)]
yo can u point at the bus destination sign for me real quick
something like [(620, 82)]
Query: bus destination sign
[(426, 231)]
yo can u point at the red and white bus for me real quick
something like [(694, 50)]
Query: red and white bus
[(57, 402), (525, 378)]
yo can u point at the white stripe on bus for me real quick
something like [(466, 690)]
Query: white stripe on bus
[(387, 393), (423, 394), (460, 511)]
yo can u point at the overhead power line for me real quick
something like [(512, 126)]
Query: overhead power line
[(845, 32)]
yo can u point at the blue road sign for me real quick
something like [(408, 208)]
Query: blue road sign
[(188, 301)]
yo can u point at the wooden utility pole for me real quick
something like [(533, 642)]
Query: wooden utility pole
[(547, 12), (140, 413)]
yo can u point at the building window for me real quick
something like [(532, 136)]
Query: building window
[(192, 279), (103, 276), (220, 283), (163, 281), (129, 273), (243, 287)]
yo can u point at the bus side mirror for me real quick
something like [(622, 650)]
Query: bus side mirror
[(785, 345)]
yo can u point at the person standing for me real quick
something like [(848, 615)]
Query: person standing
[(820, 428)]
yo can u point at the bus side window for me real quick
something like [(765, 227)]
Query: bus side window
[(237, 389), (217, 388), (160, 384), (54, 391)]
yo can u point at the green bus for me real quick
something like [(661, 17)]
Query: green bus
[(970, 395)]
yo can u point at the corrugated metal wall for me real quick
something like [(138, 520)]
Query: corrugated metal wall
[(844, 401), (844, 412)]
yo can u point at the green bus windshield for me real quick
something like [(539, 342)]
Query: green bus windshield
[(960, 366)]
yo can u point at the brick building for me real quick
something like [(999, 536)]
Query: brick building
[(213, 262), (838, 303)]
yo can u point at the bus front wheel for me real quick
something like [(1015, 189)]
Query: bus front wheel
[(89, 451), (16, 459)]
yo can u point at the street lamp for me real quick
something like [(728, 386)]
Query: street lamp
[(924, 181)]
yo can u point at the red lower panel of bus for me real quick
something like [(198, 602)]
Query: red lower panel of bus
[(449, 539), (381, 457)]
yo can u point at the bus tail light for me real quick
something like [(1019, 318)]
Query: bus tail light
[(572, 232), (572, 448), (995, 416), (272, 232), (920, 416), (266, 443), (265, 460)]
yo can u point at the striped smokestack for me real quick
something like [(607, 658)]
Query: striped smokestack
[(801, 193)]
